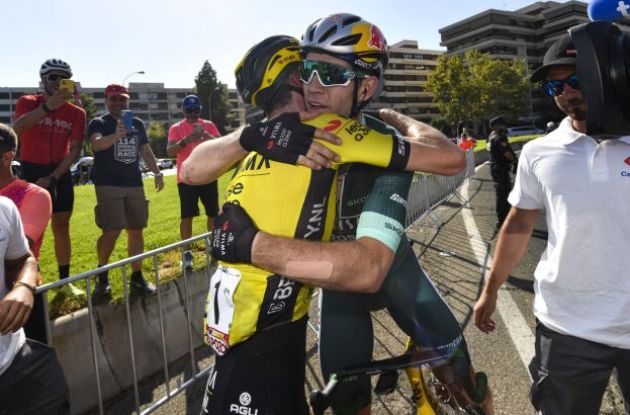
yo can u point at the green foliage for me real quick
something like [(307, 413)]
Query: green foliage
[(90, 113), (157, 139), (475, 87), (213, 96)]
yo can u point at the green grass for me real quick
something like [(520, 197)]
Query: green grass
[(163, 229)]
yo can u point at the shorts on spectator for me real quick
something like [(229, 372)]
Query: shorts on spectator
[(119, 207), (189, 197), (62, 195)]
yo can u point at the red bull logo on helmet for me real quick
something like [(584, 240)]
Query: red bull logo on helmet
[(377, 40)]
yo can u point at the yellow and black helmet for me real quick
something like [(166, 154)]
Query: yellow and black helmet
[(261, 67), (348, 37)]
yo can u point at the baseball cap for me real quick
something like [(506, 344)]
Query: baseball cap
[(497, 121), (116, 89), (561, 52), (191, 101)]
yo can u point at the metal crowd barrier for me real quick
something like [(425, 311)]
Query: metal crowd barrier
[(95, 331), (430, 190), (427, 191)]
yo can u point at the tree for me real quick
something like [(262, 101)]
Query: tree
[(87, 103), (213, 96), (474, 87), (157, 139)]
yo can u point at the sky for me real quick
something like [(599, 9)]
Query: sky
[(170, 39)]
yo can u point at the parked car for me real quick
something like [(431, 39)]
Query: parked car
[(524, 130), (80, 171), (165, 164)]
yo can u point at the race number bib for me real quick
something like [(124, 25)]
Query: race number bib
[(220, 308)]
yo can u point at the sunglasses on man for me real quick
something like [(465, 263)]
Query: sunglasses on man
[(192, 110), (328, 74), (56, 77), (556, 87)]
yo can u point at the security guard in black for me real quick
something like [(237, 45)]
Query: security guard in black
[(502, 158)]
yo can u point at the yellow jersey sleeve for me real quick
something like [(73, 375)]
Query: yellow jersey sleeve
[(362, 144)]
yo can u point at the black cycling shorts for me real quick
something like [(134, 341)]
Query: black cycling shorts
[(264, 375), (62, 194), (190, 195)]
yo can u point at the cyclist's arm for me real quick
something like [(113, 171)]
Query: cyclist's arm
[(211, 159), (27, 115), (511, 247), (431, 151), (359, 265)]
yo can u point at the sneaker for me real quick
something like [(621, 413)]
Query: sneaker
[(102, 290), (187, 260), (141, 286), (75, 291)]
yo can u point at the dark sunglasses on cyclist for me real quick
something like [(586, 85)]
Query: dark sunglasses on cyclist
[(192, 110), (556, 87), (56, 77), (328, 74)]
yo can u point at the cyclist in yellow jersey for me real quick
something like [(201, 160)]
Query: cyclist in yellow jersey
[(250, 309)]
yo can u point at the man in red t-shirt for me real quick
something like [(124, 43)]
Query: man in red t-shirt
[(183, 137), (51, 131)]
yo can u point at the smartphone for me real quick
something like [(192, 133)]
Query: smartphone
[(127, 118), (67, 84)]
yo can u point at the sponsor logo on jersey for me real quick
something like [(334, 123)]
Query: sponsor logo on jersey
[(398, 199), (332, 125), (357, 130), (245, 399), (283, 292), (315, 221), (626, 173)]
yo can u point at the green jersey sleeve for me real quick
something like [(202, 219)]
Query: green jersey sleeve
[(383, 217)]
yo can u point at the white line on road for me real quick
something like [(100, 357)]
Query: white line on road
[(518, 329)]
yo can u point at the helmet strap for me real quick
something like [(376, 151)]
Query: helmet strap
[(354, 111)]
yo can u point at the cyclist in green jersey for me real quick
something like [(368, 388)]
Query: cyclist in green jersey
[(368, 207)]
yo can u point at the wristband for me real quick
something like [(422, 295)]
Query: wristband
[(182, 143), (30, 287), (46, 108), (158, 174)]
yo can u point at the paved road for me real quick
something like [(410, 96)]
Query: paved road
[(454, 246)]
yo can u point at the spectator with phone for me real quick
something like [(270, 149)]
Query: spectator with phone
[(120, 199), (183, 137), (52, 131)]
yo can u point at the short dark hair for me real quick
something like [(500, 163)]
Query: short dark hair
[(8, 139)]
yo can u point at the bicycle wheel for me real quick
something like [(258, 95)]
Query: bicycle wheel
[(441, 398)]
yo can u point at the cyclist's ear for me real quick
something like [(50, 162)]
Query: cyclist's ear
[(368, 88)]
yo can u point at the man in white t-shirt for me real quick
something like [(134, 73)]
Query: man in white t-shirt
[(31, 379), (582, 285)]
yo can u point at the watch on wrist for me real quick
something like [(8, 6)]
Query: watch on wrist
[(158, 174), (182, 143)]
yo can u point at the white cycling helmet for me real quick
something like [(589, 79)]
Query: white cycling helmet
[(551, 124), (56, 65)]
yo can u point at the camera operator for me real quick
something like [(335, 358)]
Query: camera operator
[(582, 299)]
